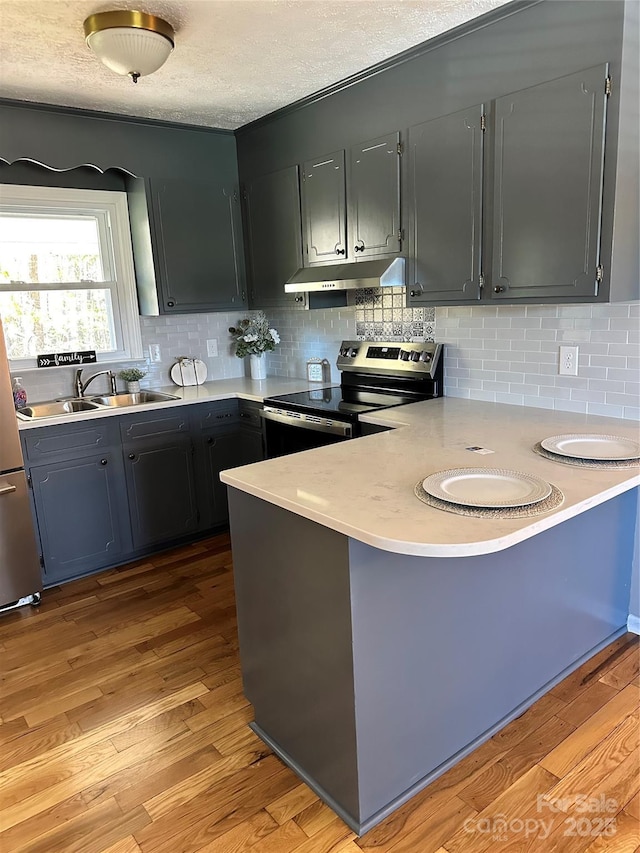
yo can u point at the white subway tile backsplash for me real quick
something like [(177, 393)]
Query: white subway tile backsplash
[(607, 385), (539, 402), (506, 353), (587, 396), (574, 310), (512, 399), (570, 406), (541, 311), (611, 336), (622, 399), (492, 385), (607, 410), (608, 361), (523, 388)]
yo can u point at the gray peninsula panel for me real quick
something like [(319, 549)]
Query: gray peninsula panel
[(371, 672)]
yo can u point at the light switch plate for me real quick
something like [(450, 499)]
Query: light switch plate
[(154, 353), (212, 347)]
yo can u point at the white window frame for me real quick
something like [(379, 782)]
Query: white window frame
[(112, 212)]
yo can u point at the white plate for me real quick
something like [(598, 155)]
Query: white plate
[(188, 371), (486, 487), (608, 448)]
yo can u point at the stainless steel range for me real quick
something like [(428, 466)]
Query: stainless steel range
[(375, 375)]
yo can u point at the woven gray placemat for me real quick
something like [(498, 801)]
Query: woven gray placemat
[(554, 500), (599, 464)]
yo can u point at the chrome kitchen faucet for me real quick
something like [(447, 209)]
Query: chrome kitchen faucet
[(80, 386)]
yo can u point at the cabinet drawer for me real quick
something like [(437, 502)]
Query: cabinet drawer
[(154, 424), (69, 440), (219, 413)]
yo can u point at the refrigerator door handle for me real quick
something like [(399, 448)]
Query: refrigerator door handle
[(6, 489)]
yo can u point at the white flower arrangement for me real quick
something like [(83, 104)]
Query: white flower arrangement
[(253, 336)]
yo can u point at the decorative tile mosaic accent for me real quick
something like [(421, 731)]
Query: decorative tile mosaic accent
[(381, 313)]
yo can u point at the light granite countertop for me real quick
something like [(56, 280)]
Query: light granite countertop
[(365, 488), (218, 389)]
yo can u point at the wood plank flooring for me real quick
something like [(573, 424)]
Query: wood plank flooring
[(123, 729)]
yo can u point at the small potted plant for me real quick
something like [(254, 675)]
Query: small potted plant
[(254, 337), (132, 376)]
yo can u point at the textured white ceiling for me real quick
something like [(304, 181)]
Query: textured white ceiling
[(235, 60)]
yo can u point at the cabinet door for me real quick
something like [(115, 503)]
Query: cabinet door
[(549, 150), (445, 165), (199, 251), (252, 447), (81, 513), (324, 209), (274, 237), (161, 490), (220, 449), (374, 198)]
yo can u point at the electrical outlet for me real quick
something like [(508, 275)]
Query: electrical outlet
[(568, 365), (154, 352), (212, 347)]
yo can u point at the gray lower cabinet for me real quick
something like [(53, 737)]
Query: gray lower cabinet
[(158, 462), (547, 189), (109, 490), (196, 230), (445, 218), (80, 514), (161, 491), (274, 238), (79, 497), (219, 449), (251, 433), (227, 435)]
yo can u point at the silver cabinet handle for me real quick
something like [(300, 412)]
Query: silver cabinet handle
[(7, 489)]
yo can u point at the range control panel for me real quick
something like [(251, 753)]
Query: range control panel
[(389, 357)]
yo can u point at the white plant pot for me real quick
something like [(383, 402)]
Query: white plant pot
[(133, 387), (258, 364)]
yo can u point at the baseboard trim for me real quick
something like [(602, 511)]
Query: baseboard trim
[(633, 624)]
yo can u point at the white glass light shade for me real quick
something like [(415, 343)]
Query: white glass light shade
[(128, 50)]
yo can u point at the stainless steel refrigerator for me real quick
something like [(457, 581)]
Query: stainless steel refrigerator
[(20, 578)]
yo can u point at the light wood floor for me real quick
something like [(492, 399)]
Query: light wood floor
[(124, 729)]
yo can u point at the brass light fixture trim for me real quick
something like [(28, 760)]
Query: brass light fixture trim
[(120, 51), (128, 18)]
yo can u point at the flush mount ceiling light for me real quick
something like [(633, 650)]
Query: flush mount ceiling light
[(128, 42)]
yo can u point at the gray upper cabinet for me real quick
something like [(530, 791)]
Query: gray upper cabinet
[(445, 213), (324, 209), (547, 189), (374, 198), (198, 256), (274, 237)]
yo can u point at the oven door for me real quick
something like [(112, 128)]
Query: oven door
[(289, 432)]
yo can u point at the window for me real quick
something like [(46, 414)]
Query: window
[(66, 274)]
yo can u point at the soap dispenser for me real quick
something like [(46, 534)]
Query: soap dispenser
[(19, 393)]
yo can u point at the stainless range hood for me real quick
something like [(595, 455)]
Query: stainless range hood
[(379, 273)]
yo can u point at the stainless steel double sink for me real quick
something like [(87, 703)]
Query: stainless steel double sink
[(56, 408)]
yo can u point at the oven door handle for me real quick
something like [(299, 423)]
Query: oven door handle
[(312, 422)]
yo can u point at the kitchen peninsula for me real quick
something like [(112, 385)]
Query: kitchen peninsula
[(381, 639)]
